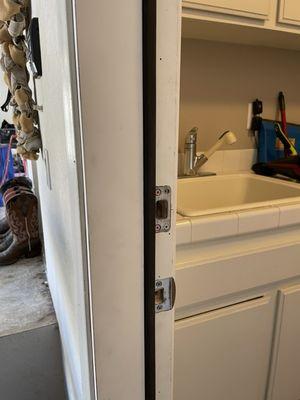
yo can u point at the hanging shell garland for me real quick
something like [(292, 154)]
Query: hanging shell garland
[(14, 20)]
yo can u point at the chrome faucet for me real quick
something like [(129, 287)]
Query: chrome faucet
[(190, 155), (193, 162)]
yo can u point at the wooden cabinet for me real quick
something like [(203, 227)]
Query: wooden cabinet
[(224, 353), (289, 12), (258, 9), (285, 384)]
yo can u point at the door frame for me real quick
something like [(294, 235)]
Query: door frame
[(149, 164), (161, 61)]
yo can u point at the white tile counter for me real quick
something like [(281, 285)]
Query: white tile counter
[(197, 229)]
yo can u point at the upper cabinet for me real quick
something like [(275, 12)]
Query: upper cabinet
[(258, 9), (274, 23), (289, 12)]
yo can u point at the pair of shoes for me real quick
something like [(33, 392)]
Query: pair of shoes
[(22, 236)]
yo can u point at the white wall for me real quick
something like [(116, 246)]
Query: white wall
[(110, 66), (65, 256), (218, 80)]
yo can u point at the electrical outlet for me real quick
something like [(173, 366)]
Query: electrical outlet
[(249, 116)]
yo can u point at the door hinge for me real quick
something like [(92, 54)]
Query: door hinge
[(165, 294), (162, 209)]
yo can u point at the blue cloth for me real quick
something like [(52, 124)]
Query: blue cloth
[(10, 171), (267, 150)]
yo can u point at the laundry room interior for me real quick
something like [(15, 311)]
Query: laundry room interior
[(238, 204)]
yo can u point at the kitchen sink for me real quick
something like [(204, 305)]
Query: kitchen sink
[(228, 193)]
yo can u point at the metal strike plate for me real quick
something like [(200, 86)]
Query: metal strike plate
[(162, 209), (165, 293)]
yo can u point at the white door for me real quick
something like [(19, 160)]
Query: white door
[(167, 111)]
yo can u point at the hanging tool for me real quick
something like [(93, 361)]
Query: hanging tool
[(257, 109), (281, 102), (289, 148)]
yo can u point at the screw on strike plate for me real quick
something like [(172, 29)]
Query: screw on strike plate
[(157, 192), (157, 227), (158, 283)]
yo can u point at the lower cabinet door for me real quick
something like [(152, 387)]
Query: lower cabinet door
[(286, 384), (224, 354)]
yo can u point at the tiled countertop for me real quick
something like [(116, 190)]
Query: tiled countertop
[(196, 229)]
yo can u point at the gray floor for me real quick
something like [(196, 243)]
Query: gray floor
[(25, 301), (30, 350)]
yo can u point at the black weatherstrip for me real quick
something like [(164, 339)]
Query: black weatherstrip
[(149, 113)]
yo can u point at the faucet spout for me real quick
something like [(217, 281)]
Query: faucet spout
[(192, 162)]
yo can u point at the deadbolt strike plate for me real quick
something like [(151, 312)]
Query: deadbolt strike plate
[(162, 209)]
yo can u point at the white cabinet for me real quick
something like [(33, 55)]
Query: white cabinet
[(258, 9), (224, 354), (286, 383), (289, 12)]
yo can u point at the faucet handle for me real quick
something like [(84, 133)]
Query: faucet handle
[(191, 136)]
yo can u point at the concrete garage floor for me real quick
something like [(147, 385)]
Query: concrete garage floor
[(30, 350), (25, 301)]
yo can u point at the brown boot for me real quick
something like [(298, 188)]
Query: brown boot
[(4, 226), (21, 181), (22, 216), (10, 193), (18, 181)]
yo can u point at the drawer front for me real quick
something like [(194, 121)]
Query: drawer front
[(289, 12), (258, 9), (200, 282)]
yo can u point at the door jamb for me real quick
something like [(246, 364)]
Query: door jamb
[(149, 163)]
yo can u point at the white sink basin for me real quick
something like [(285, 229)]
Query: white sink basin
[(227, 193)]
